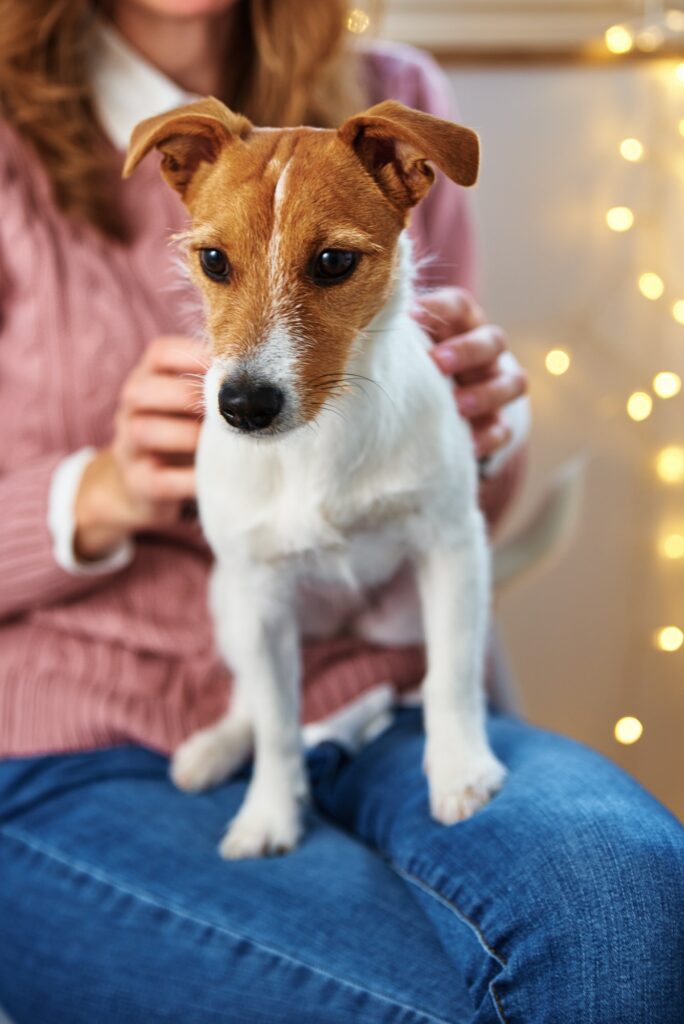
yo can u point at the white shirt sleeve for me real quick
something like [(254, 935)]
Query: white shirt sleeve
[(517, 415), (66, 480)]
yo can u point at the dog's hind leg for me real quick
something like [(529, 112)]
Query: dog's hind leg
[(210, 756), (454, 585)]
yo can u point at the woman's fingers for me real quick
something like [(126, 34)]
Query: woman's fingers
[(489, 434), (158, 392), (473, 350), (167, 435), (487, 398), (159, 484), (176, 354), (446, 312)]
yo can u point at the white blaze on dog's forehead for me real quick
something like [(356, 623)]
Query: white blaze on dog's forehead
[(279, 192), (276, 274)]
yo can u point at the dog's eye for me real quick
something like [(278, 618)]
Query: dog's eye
[(334, 265), (215, 264)]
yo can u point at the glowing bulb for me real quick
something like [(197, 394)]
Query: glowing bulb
[(649, 39), (632, 150), (357, 21), (678, 311), (557, 361), (619, 218), (669, 639), (679, 72), (651, 286), (619, 39), (672, 546), (628, 730), (670, 465), (639, 406), (666, 384), (680, 126), (675, 21)]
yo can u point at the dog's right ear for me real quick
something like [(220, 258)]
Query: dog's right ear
[(186, 137)]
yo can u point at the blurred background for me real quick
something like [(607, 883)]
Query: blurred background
[(580, 207)]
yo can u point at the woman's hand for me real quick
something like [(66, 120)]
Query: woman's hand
[(142, 480), (475, 354)]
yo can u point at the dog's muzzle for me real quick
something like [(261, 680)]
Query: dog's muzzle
[(250, 407)]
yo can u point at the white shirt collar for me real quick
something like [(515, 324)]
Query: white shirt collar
[(127, 88)]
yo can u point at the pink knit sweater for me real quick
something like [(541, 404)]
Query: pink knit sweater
[(129, 656)]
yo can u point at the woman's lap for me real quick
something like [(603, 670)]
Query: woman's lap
[(118, 908), (572, 878), (561, 901)]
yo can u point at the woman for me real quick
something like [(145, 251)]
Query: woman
[(561, 901)]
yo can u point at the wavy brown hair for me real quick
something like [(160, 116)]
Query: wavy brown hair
[(282, 67)]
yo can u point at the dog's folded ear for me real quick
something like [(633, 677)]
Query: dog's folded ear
[(395, 143), (186, 137)]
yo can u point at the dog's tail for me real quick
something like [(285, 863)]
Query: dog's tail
[(549, 529)]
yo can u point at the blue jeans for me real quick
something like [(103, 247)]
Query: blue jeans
[(561, 902)]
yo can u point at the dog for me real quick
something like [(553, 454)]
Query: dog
[(332, 452)]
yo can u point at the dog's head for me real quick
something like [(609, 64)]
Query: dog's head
[(294, 240)]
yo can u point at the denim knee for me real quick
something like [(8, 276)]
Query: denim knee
[(608, 943)]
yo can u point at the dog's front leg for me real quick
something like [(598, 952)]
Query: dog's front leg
[(264, 653), (454, 587)]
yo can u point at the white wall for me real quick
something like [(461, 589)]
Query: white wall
[(580, 635)]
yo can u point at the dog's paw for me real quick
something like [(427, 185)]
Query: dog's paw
[(459, 787), (263, 828), (209, 756)]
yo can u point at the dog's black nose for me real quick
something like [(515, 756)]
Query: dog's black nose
[(250, 407)]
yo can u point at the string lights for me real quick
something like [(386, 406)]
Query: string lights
[(619, 218), (670, 464), (669, 639), (653, 31), (628, 730), (639, 406), (671, 546), (651, 286), (358, 21), (632, 150), (557, 361)]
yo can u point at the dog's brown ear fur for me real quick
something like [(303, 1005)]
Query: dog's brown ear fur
[(186, 137), (394, 144)]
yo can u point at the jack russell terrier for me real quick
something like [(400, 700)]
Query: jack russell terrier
[(332, 452)]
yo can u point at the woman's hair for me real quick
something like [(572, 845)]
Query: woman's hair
[(282, 67)]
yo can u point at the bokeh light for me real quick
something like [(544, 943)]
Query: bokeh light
[(678, 311), (669, 639), (651, 285), (619, 218), (557, 361), (632, 150), (671, 546), (628, 730), (639, 406), (667, 384), (650, 38), (357, 21), (670, 464), (619, 39)]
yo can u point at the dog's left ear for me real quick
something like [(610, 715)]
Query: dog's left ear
[(186, 137), (395, 143)]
